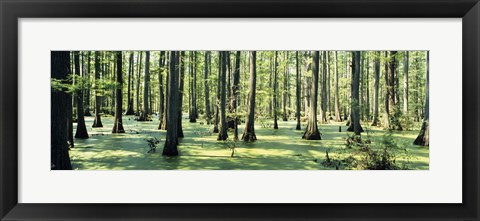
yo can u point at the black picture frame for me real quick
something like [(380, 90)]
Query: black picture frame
[(11, 11)]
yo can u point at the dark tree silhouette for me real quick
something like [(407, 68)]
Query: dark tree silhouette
[(376, 84), (171, 141), (144, 116), (222, 134), (207, 89), (60, 68), (118, 124), (130, 110), (298, 92)]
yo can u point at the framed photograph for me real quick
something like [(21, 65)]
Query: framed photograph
[(228, 110)]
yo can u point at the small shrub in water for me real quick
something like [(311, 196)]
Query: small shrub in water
[(152, 144)]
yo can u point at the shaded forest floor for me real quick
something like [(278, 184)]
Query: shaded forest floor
[(281, 149)]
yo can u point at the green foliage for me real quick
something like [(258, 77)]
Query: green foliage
[(362, 154)]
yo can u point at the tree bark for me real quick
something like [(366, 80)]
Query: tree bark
[(87, 96), (181, 73), (393, 115), (357, 129), (249, 132), (423, 137), (60, 68), (139, 69), (81, 127), (193, 87), (144, 116), (130, 110), (206, 87), (285, 89), (405, 83), (97, 122), (338, 116), (171, 140), (275, 69), (298, 92), (376, 84), (323, 107), (118, 124), (223, 135), (311, 132), (217, 103), (163, 123)]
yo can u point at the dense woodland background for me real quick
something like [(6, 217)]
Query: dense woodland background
[(234, 93)]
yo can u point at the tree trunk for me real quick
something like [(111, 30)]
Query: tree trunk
[(161, 96), (60, 159), (249, 132), (357, 129), (338, 116), (129, 85), (423, 137), (285, 89), (311, 132), (193, 87), (393, 114), (81, 127), (87, 96), (181, 73), (206, 87), (139, 69), (219, 83), (329, 111), (97, 122), (223, 135), (323, 108), (171, 140), (298, 92), (118, 124), (367, 96), (144, 116), (275, 124), (163, 123), (405, 83), (376, 84)]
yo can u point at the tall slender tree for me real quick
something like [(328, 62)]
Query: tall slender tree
[(130, 110), (355, 93), (171, 141), (222, 134), (206, 87), (87, 90), (323, 94), (275, 88), (161, 95), (81, 131), (405, 83), (249, 132), (97, 122), (60, 68), (393, 114), (139, 69), (376, 84), (338, 116), (181, 73), (193, 87), (144, 116), (423, 137), (298, 92), (118, 124), (312, 132)]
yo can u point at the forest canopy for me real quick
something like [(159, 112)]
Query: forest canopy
[(239, 110)]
